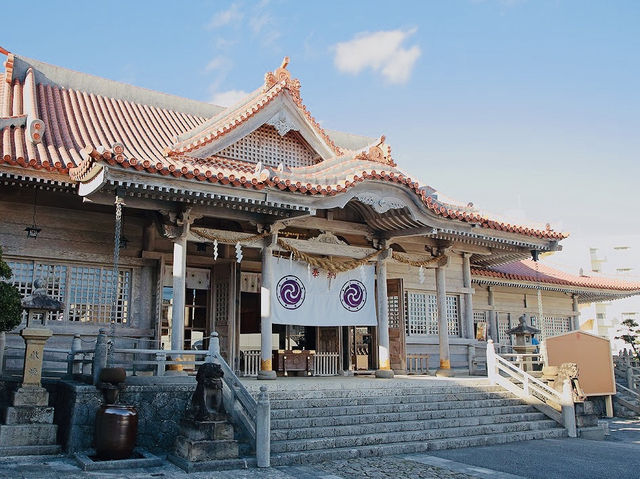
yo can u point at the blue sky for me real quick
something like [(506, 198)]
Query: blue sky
[(530, 109)]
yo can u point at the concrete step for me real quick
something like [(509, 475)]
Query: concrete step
[(408, 436), (375, 427), (375, 392), (320, 455), (386, 416), (391, 408), (28, 435), (382, 398)]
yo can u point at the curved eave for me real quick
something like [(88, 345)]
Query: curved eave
[(584, 295)]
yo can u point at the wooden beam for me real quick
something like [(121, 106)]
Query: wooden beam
[(306, 246), (335, 226)]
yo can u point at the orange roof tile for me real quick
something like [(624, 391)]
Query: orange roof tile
[(82, 129), (526, 271)]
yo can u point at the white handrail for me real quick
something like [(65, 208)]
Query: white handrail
[(500, 370)]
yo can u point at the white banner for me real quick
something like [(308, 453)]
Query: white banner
[(306, 296)]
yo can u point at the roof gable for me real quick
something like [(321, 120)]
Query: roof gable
[(277, 104)]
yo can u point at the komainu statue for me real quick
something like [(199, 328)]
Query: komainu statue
[(206, 401)]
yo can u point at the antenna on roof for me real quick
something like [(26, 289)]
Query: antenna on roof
[(4, 51)]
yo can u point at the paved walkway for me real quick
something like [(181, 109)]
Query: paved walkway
[(618, 457)]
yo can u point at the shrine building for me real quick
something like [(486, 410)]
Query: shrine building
[(257, 223)]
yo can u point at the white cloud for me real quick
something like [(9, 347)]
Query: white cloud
[(381, 51), (225, 17), (220, 65), (228, 98)]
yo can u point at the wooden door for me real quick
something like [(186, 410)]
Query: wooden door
[(397, 343)]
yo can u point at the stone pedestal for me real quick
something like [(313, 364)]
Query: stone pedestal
[(526, 349), (205, 443), (27, 425)]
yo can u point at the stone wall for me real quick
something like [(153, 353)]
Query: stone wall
[(160, 408)]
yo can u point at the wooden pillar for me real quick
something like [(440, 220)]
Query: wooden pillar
[(384, 362), (576, 314), (468, 296), (179, 289), (266, 327), (493, 320), (443, 330)]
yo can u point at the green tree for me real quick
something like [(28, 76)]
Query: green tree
[(631, 334), (10, 306)]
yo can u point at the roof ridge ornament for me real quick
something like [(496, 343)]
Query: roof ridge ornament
[(379, 152), (283, 76)]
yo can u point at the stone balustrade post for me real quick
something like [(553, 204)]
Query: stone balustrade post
[(568, 409), (100, 355), (630, 378), (471, 355), (214, 347), (263, 429), (491, 362), (74, 358)]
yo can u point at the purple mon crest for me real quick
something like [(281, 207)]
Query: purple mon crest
[(290, 292), (353, 295)]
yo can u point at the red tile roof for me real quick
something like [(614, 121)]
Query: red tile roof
[(82, 129), (526, 271)]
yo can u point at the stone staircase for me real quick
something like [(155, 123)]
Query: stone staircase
[(626, 403), (395, 418)]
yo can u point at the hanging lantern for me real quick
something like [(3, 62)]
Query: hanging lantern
[(215, 250), (238, 252), (33, 230)]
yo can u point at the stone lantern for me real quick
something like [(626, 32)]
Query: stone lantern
[(524, 334), (39, 306), (27, 425)]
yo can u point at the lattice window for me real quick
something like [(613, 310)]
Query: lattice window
[(266, 145), (394, 311), (222, 302), (479, 317), (504, 324), (422, 314), (26, 272), (453, 325), (554, 325), (91, 295), (87, 291)]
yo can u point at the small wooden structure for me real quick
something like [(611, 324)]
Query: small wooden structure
[(592, 354)]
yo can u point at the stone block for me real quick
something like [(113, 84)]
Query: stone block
[(206, 430), (30, 450), (28, 434), (586, 420), (30, 396), (195, 451), (27, 415)]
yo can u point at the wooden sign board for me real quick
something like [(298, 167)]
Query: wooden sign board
[(591, 353)]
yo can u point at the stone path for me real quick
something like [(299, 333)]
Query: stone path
[(375, 468)]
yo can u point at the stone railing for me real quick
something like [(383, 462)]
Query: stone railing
[(417, 364), (557, 405), (250, 362), (252, 417), (325, 364), (57, 362)]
